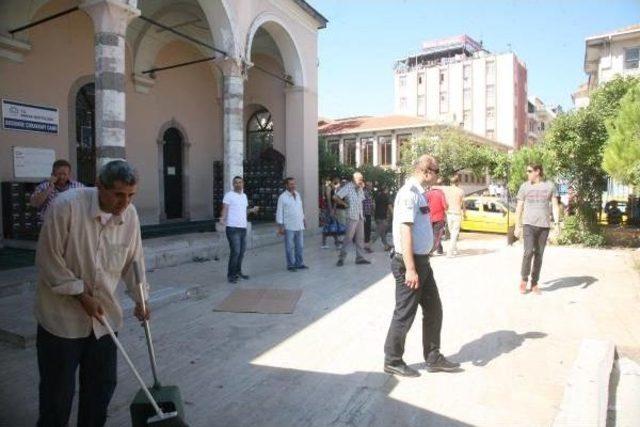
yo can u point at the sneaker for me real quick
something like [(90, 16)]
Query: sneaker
[(232, 279), (292, 269), (363, 261), (441, 364), (368, 250), (243, 276), (325, 246), (302, 267), (340, 263), (401, 369), (535, 289)]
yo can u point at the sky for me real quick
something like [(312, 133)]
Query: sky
[(364, 37)]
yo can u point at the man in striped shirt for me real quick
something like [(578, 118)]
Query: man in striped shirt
[(59, 182)]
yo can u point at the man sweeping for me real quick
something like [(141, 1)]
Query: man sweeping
[(89, 241)]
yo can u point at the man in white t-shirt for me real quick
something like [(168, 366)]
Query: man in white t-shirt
[(235, 207)]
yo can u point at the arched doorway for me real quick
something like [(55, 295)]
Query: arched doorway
[(86, 135), (259, 134), (173, 173)]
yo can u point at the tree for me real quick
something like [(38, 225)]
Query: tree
[(621, 157), (519, 160), (453, 149), (606, 99)]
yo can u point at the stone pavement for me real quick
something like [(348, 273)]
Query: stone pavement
[(322, 365)]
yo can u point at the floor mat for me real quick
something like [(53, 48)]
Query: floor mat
[(266, 301)]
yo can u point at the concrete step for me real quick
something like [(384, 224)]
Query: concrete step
[(624, 403), (586, 395)]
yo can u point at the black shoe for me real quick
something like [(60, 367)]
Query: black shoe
[(302, 267), (232, 279), (340, 263), (402, 370), (442, 365), (363, 261), (291, 269), (243, 276)]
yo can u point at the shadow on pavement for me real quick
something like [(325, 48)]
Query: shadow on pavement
[(492, 345), (569, 282), (474, 252)]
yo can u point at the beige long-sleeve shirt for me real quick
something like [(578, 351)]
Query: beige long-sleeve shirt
[(81, 249)]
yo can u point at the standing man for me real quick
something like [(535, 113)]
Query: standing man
[(329, 212), (535, 198), (235, 207), (291, 224), (59, 182), (415, 284), (367, 210), (88, 243), (455, 213), (437, 209), (353, 196), (382, 212)]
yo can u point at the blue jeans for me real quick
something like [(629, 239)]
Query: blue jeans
[(58, 362), (293, 248), (237, 243)]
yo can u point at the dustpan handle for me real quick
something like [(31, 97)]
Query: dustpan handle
[(133, 368), (145, 324)]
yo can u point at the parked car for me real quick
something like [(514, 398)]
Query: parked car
[(604, 214), (487, 214)]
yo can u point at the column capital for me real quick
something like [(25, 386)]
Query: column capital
[(232, 67), (111, 16)]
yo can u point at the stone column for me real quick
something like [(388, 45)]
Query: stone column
[(110, 20), (301, 136), (358, 152), (376, 159), (341, 155), (394, 150), (233, 120)]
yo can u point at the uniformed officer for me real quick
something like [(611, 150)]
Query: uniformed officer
[(415, 285)]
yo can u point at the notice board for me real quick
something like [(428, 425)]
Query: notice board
[(32, 162)]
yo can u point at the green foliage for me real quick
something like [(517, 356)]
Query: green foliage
[(622, 154), (575, 232), (455, 152), (519, 160), (380, 177), (606, 99)]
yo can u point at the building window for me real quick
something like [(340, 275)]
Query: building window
[(366, 151), (85, 135), (350, 152), (443, 77), (259, 134), (466, 75), (491, 119), (403, 103), (491, 134), (466, 98), (491, 72), (632, 58), (421, 105), (420, 79), (402, 141), (334, 147), (384, 150), (466, 119), (444, 102), (491, 95), (402, 80)]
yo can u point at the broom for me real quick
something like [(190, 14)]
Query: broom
[(161, 419)]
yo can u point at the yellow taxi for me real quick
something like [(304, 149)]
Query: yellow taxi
[(487, 214)]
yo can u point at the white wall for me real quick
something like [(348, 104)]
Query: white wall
[(611, 65)]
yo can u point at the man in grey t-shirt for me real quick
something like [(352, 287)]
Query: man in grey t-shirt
[(533, 213)]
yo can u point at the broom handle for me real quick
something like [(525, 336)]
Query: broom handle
[(133, 368), (145, 324)]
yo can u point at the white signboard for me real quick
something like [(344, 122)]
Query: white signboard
[(34, 118), (32, 162)]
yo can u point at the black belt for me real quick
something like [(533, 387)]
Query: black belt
[(395, 255)]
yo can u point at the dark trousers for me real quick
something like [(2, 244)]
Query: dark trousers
[(58, 361), (407, 301), (367, 228), (237, 238), (535, 240), (438, 232)]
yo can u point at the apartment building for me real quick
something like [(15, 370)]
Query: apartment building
[(457, 81), (607, 56), (539, 118)]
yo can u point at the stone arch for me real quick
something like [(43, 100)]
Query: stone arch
[(286, 44), (186, 171)]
